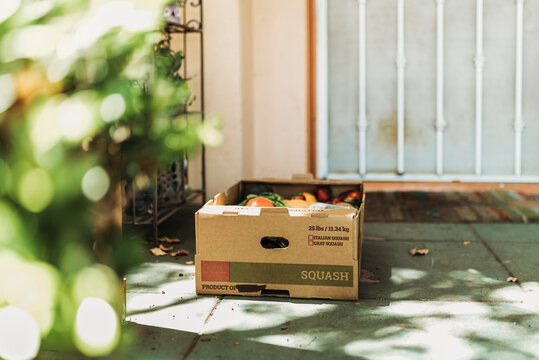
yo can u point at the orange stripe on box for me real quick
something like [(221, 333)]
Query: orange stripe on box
[(215, 271)]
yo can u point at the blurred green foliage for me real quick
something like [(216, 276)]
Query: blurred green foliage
[(89, 95)]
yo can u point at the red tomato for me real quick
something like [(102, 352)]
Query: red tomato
[(323, 194), (353, 195), (260, 202), (349, 195)]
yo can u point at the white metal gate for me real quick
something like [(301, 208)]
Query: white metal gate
[(395, 78)]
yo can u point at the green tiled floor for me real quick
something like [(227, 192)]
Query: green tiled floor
[(418, 231), (451, 271), (452, 303)]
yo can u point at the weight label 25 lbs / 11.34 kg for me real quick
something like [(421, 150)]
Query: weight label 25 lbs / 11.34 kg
[(329, 228)]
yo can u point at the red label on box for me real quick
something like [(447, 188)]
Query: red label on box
[(215, 271)]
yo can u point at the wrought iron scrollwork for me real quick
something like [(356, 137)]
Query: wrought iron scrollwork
[(187, 25), (193, 25)]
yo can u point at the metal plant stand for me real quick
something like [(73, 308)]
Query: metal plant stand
[(158, 210)]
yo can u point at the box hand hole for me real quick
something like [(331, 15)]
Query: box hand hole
[(273, 292), (274, 242)]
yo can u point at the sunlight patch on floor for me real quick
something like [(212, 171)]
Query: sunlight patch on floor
[(472, 275), (189, 316), (403, 275), (251, 314), (422, 308), (526, 298), (293, 341)]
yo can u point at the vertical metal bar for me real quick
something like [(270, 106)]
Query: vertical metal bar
[(154, 198), (155, 211), (202, 112), (184, 43), (134, 202), (362, 118), (124, 305), (322, 97), (401, 63), (479, 63), (519, 123), (440, 121), (182, 164), (183, 157)]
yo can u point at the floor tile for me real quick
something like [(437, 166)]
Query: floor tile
[(451, 270), (262, 328), (419, 231), (521, 258), (163, 294), (153, 342), (508, 232)]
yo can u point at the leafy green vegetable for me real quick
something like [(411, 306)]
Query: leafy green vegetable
[(354, 202)]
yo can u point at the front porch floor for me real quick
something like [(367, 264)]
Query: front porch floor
[(453, 303)]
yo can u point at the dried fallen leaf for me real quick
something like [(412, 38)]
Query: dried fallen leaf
[(366, 276), (415, 251), (236, 342), (168, 240), (158, 252), (189, 262), (467, 242), (179, 252), (512, 279), (165, 248)]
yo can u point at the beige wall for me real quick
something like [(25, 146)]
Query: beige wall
[(255, 78)]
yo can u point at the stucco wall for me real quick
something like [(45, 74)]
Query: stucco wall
[(255, 78)]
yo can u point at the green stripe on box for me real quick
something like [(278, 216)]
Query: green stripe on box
[(294, 274)]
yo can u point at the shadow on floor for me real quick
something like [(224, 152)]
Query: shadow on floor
[(454, 302)]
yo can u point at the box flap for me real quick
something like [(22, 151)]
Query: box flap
[(257, 211)]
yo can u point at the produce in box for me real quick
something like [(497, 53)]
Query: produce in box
[(262, 196)]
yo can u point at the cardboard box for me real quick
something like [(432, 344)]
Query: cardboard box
[(299, 253)]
